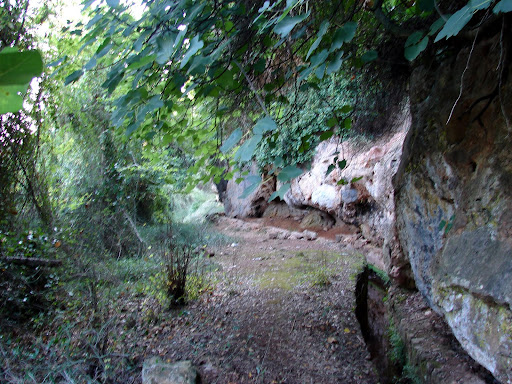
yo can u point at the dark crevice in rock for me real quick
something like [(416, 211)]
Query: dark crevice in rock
[(373, 317), (259, 207)]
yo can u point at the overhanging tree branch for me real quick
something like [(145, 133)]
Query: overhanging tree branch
[(387, 23)]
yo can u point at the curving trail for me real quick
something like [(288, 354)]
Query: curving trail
[(282, 311)]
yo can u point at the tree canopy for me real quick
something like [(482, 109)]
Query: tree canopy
[(219, 74)]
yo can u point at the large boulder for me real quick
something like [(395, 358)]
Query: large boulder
[(454, 199), (253, 205)]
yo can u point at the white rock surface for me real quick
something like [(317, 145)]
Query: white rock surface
[(155, 371)]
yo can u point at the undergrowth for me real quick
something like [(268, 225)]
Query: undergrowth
[(398, 355), (102, 306)]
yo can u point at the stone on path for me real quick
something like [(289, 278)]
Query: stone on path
[(155, 371), (310, 235)]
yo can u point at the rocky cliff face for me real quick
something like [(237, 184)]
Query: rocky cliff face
[(439, 204), (454, 200), (368, 202)]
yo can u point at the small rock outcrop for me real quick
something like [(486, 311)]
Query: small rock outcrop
[(454, 200), (253, 205), (155, 371), (283, 210), (317, 219)]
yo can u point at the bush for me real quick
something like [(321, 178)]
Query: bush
[(176, 263), (25, 288)]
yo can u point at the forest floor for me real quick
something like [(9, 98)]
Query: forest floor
[(271, 311), (281, 311)]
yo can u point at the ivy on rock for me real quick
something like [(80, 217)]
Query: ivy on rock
[(199, 72)]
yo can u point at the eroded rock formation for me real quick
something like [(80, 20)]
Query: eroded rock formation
[(253, 205), (436, 196), (454, 200)]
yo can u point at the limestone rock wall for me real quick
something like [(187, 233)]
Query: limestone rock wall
[(435, 195), (368, 202), (454, 199)]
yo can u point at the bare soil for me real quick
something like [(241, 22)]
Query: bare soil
[(282, 311), (275, 311)]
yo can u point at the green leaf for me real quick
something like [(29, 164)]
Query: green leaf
[(332, 122), (231, 141), (343, 35), (179, 39), (87, 4), (319, 72), (56, 62), (413, 38), (321, 32), (369, 56), (165, 48), (503, 6), (267, 124), (167, 139), (326, 135), (330, 168), (285, 26), (113, 3), (154, 103), (94, 20), (141, 61), (246, 151), (90, 64), (103, 45), (335, 65), (477, 5), (441, 226), (278, 162), (281, 192), (265, 6), (131, 128), (10, 100), (411, 52), (73, 77), (195, 46), (289, 172), (220, 50), (319, 58), (342, 182), (347, 123), (199, 65), (305, 73), (254, 181), (260, 65), (356, 179), (346, 109), (342, 164), (9, 50), (455, 23), (434, 28), (19, 67)]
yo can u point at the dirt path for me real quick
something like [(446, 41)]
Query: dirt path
[(282, 311)]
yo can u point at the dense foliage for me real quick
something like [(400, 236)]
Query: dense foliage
[(139, 103), (228, 77)]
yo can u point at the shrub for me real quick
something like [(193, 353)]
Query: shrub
[(25, 287), (176, 260)]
